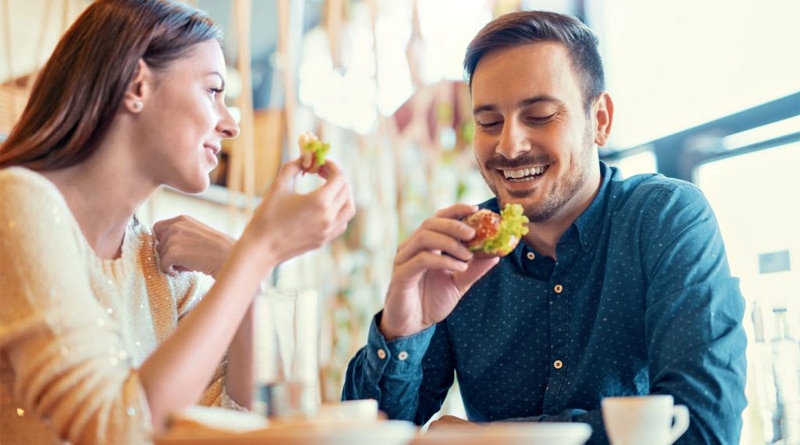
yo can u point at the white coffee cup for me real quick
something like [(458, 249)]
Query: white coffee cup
[(644, 420)]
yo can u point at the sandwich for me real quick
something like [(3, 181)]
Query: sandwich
[(313, 152), (497, 234)]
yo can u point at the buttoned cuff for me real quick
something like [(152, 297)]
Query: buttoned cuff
[(399, 356)]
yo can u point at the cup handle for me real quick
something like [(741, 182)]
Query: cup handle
[(681, 415)]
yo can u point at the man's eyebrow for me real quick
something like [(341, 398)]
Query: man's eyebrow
[(481, 108), (543, 98), (521, 104)]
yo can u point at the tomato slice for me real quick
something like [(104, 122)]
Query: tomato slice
[(486, 224)]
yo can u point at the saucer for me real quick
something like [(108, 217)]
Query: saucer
[(508, 433)]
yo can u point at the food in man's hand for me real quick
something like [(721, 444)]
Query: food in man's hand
[(497, 234), (313, 151)]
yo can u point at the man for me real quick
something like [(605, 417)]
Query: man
[(620, 287)]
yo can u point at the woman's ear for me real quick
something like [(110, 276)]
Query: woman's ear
[(139, 88), (603, 115)]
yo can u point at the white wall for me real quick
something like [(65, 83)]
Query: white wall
[(675, 64)]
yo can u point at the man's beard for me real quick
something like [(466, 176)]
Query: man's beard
[(562, 192)]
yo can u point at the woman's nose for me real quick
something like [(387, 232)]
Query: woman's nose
[(227, 125)]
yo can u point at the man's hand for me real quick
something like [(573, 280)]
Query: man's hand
[(448, 421), (432, 271)]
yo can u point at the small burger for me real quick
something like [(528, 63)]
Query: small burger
[(497, 234), (313, 152)]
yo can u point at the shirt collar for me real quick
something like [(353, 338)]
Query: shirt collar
[(589, 224)]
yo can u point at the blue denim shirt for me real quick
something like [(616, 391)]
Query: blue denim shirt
[(640, 300)]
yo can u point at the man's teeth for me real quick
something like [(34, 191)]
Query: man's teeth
[(516, 174)]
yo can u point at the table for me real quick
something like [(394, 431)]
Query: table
[(353, 424)]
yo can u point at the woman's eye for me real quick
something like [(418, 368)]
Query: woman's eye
[(214, 91)]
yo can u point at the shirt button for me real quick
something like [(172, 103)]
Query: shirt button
[(558, 288), (558, 364), (381, 354), (402, 355), (531, 255)]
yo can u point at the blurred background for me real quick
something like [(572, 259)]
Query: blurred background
[(707, 91)]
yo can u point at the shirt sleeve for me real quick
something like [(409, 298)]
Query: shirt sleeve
[(67, 354), (389, 372), (190, 288), (693, 321), (174, 297), (693, 317)]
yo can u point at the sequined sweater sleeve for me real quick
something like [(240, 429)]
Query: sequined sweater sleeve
[(74, 328)]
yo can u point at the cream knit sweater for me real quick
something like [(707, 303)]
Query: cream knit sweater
[(74, 328)]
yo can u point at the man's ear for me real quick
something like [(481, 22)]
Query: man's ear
[(603, 114), (139, 88)]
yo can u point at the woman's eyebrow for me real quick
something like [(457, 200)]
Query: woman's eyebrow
[(221, 79)]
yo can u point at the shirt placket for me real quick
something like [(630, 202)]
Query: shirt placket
[(559, 341)]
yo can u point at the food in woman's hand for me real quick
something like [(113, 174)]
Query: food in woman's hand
[(313, 152), (497, 234)]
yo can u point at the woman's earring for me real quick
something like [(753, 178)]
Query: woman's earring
[(138, 105)]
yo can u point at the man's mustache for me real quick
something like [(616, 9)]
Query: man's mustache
[(501, 162)]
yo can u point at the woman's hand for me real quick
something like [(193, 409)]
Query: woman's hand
[(287, 223), (186, 244), (433, 269)]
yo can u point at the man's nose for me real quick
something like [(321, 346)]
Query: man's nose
[(513, 139)]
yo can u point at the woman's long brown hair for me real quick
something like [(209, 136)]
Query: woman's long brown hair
[(78, 91)]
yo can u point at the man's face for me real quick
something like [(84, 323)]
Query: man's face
[(533, 138)]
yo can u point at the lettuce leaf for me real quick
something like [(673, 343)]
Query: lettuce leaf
[(320, 150), (513, 226)]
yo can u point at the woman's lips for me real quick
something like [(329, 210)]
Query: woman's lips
[(212, 151), (215, 149)]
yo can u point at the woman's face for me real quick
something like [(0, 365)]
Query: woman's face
[(185, 119)]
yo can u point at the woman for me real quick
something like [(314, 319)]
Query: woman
[(106, 325)]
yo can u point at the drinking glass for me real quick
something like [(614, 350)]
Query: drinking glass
[(286, 355)]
